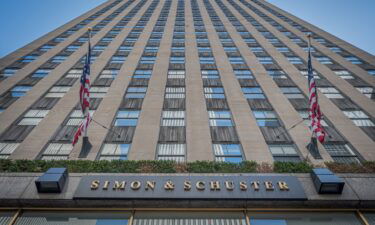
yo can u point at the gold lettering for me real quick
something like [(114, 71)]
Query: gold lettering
[(150, 185), (255, 185), (200, 185), (187, 185), (229, 185), (215, 185), (135, 185), (119, 186), (283, 186), (95, 184), (269, 185), (243, 186), (106, 184), (169, 185)]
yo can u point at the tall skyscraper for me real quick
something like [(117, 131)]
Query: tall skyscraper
[(188, 80)]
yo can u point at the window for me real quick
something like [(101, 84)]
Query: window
[(72, 48), (175, 92), (330, 92), (178, 49), (305, 116), (136, 92), (173, 118), (83, 39), (297, 40), (99, 48), (220, 118), (151, 49), (236, 60), (110, 74), (306, 49), (74, 73), (265, 60), (250, 40), (118, 59), (45, 48), (178, 60), (126, 118), (214, 92), (148, 59), (29, 58), (19, 91), (273, 40), (59, 59), (359, 118), (33, 117), (277, 74), (57, 91), (243, 74), (284, 153), (8, 72), (305, 74), (353, 60), (335, 49), (256, 49), (292, 92), (344, 74), (324, 60), (76, 117), (227, 153), (210, 74), (114, 152), (41, 73), (204, 49), (59, 39), (230, 49), (106, 39), (295, 60), (175, 152), (341, 153), (125, 48), (367, 91), (283, 49), (371, 72), (98, 92), (253, 93), (57, 151), (206, 60), (320, 40), (178, 74), (7, 148), (266, 118)]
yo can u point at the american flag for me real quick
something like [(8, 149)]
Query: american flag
[(84, 96), (314, 112)]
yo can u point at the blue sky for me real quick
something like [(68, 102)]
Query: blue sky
[(23, 21)]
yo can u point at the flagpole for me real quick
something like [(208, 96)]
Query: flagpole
[(87, 109)]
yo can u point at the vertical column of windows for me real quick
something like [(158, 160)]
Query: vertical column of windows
[(226, 145)]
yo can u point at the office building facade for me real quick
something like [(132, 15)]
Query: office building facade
[(217, 80)]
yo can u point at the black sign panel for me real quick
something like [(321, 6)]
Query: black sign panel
[(190, 187)]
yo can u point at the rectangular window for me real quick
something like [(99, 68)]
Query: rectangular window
[(76, 117), (19, 91), (341, 153), (305, 74), (324, 60), (256, 49), (59, 39), (227, 153), (335, 49), (118, 59), (214, 92), (359, 118), (98, 92), (57, 151), (114, 152), (136, 92), (320, 40), (125, 48), (126, 118), (33, 117), (41, 73), (110, 74), (367, 91), (283, 49), (174, 152), (72, 48), (176, 74), (253, 93), (29, 58), (220, 119), (284, 153), (57, 91), (330, 92), (243, 74), (45, 48), (236, 60), (266, 118), (148, 59), (177, 60), (175, 92), (353, 60), (265, 60), (277, 74), (344, 74), (59, 59), (8, 72), (173, 118), (206, 60), (295, 60), (230, 49), (74, 73), (273, 40), (292, 92), (297, 40), (371, 72), (7, 148), (210, 74)]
